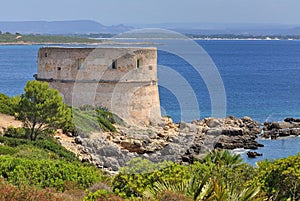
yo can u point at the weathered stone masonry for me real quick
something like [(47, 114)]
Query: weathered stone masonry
[(124, 80)]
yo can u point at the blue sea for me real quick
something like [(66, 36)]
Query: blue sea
[(261, 80)]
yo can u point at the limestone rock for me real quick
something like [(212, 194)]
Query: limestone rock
[(78, 140), (273, 130), (111, 162), (212, 122), (133, 146), (182, 142)]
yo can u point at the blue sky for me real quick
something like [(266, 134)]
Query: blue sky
[(111, 12)]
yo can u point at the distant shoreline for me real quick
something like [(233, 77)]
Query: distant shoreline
[(48, 43), (103, 42), (107, 41)]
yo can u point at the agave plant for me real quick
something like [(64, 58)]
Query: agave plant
[(246, 195), (222, 158), (201, 188), (223, 191), (195, 189)]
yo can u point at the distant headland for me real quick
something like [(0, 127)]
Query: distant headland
[(8, 38)]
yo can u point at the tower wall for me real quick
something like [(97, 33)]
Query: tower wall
[(124, 80)]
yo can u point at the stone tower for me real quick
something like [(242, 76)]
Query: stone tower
[(124, 80)]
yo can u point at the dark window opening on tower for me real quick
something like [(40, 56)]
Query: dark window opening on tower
[(138, 63), (46, 54), (80, 64), (59, 68), (114, 64)]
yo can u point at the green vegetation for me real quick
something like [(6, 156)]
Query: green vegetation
[(9, 105), (88, 119), (18, 38), (102, 195), (140, 174), (280, 179), (46, 173), (219, 176), (46, 148), (42, 109), (40, 165)]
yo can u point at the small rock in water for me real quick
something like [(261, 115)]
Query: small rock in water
[(253, 154)]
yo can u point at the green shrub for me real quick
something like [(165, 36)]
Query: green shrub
[(87, 119), (13, 142), (43, 149), (13, 132), (47, 173), (29, 151), (6, 150), (110, 119), (140, 174), (24, 133), (280, 179), (101, 195), (106, 125), (50, 145)]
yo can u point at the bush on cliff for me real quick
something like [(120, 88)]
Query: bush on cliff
[(88, 119), (43, 148)]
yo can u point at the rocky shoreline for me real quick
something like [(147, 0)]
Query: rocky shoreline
[(182, 143), (273, 130)]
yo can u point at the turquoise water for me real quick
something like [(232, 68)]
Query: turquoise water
[(261, 79), (274, 149)]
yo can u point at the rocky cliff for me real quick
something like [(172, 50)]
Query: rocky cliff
[(183, 142)]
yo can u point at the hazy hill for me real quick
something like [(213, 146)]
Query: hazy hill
[(60, 27)]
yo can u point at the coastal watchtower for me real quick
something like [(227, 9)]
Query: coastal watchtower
[(124, 80)]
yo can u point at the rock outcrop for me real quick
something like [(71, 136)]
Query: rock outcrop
[(253, 154), (183, 142), (289, 127), (235, 133)]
